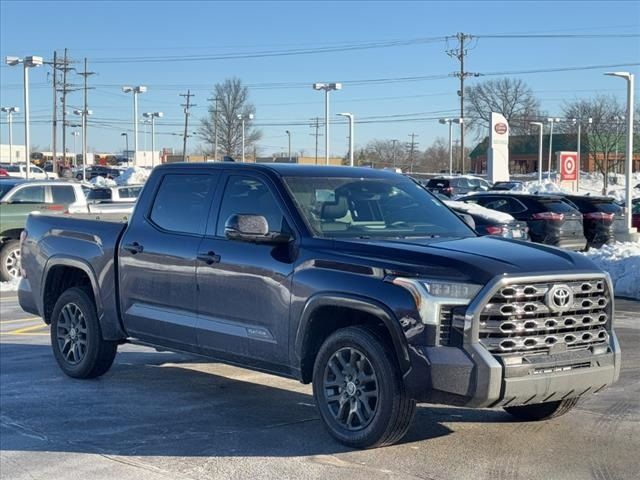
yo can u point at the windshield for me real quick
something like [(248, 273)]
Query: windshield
[(372, 208)]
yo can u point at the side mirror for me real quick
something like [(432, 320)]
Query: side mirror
[(468, 219), (252, 228)]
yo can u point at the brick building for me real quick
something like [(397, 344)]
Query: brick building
[(523, 154)]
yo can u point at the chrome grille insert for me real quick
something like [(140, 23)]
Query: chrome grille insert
[(519, 317)]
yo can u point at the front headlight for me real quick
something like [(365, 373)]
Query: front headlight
[(430, 295)]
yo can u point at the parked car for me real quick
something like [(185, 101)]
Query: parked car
[(635, 213), (511, 185), (455, 186), (550, 219), (124, 193), (35, 173), (97, 171), (602, 218), (356, 280), (491, 222), (19, 198), (4, 173)]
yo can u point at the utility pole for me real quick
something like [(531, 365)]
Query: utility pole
[(317, 127), (84, 74), (65, 90), (412, 148), (460, 53), (393, 152), (215, 127), (186, 106), (55, 113)]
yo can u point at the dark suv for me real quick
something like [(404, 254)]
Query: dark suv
[(453, 186), (551, 220), (602, 218)]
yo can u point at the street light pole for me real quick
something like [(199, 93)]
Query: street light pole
[(552, 121), (153, 116), (27, 63), (350, 117), (83, 115), (451, 121), (135, 90), (289, 135), (75, 135), (629, 77), (540, 126), (242, 118), (327, 87), (578, 147), (10, 111)]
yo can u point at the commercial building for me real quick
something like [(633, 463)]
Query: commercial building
[(17, 152)]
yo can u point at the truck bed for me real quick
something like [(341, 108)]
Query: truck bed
[(85, 241)]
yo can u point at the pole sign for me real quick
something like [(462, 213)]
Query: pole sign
[(568, 166), (498, 152)]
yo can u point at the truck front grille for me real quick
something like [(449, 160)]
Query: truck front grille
[(446, 317), (522, 318)]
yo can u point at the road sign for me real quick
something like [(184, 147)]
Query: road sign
[(568, 166)]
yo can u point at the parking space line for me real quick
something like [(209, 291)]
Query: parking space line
[(27, 329), (29, 319)]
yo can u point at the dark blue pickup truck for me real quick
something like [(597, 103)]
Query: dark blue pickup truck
[(357, 280)]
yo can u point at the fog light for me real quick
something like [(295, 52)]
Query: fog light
[(599, 349), (512, 360)]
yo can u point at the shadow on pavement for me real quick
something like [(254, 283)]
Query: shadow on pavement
[(160, 404)]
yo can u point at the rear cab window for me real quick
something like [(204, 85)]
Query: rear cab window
[(438, 183)]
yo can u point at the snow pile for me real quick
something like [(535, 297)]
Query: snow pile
[(133, 176), (622, 262), (10, 286), (102, 182), (590, 184), (487, 213)]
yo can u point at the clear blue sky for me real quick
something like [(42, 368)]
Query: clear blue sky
[(119, 29)]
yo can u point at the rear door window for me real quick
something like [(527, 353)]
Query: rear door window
[(63, 194), (182, 203)]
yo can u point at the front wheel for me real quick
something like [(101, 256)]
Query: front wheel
[(76, 339), (359, 391), (542, 411)]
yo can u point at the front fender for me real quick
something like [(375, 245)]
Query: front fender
[(359, 303)]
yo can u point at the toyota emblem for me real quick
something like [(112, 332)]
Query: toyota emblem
[(560, 298)]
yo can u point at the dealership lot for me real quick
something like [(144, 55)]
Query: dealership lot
[(164, 415)]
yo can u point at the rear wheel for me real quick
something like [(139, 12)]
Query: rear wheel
[(542, 411), (359, 391), (10, 261), (76, 339)]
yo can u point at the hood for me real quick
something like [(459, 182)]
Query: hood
[(474, 259)]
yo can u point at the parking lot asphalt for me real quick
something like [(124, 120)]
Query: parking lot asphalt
[(165, 415)]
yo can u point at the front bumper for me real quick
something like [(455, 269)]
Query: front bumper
[(472, 377)]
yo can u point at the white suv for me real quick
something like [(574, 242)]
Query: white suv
[(35, 173)]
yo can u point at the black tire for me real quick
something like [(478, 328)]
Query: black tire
[(370, 370), (542, 411), (10, 261), (76, 338)]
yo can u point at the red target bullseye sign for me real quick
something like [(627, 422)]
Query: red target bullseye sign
[(569, 165)]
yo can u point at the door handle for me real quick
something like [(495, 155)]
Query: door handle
[(133, 248), (209, 258)]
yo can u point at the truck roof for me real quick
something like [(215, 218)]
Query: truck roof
[(287, 169)]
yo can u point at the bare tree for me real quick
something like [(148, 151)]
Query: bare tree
[(513, 98), (383, 153), (606, 132), (233, 100)]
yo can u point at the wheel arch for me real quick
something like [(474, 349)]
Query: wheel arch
[(325, 313)]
